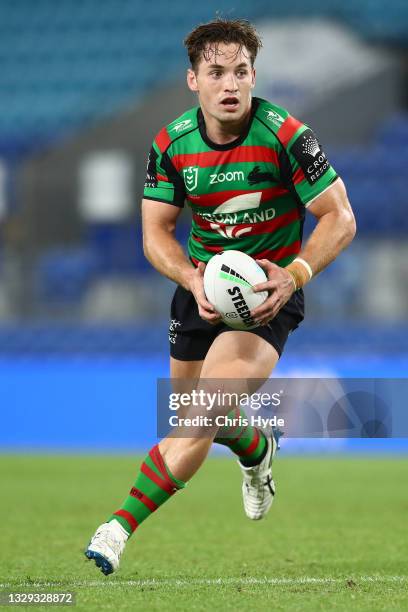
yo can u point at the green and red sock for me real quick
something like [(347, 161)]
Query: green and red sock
[(248, 442), (154, 485)]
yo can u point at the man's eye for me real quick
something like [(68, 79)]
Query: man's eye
[(242, 73), (216, 74)]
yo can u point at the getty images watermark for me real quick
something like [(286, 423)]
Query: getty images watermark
[(300, 407), (209, 401)]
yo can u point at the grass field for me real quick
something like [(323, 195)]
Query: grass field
[(336, 537)]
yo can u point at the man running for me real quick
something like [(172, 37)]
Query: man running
[(248, 170)]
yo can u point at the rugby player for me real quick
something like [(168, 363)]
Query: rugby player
[(248, 170)]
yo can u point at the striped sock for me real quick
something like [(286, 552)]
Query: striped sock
[(154, 485), (248, 442)]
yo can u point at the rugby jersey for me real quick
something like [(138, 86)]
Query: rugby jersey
[(249, 194)]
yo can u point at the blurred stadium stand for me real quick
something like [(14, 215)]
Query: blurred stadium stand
[(64, 64)]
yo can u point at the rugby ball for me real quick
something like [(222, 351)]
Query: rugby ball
[(228, 280)]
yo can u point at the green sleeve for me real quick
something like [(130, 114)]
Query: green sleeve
[(163, 183), (309, 170)]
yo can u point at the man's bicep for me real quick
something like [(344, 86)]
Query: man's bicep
[(156, 213), (304, 166), (332, 199)]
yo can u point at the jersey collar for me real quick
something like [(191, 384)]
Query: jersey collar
[(229, 145)]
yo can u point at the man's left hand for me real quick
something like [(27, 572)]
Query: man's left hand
[(280, 287)]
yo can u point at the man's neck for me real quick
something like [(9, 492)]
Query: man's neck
[(224, 133)]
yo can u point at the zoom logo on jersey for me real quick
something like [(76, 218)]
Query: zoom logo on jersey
[(241, 305), (310, 157), (221, 177)]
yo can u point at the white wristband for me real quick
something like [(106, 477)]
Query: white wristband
[(305, 265)]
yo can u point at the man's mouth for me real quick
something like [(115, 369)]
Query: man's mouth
[(230, 103)]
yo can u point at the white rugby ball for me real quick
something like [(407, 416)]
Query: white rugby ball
[(228, 280)]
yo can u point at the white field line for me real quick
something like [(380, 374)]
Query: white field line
[(208, 582)]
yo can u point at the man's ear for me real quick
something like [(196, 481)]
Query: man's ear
[(253, 78), (192, 80)]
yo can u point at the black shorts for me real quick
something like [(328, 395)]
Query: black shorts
[(191, 337)]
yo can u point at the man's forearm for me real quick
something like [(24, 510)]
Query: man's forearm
[(166, 254), (332, 234), (334, 231)]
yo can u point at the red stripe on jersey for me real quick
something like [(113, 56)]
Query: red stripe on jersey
[(216, 199), (163, 140), (262, 227), (128, 517), (205, 159), (277, 254), (271, 254), (298, 176), (161, 177), (288, 129), (207, 247)]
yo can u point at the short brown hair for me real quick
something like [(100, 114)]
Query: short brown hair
[(207, 36)]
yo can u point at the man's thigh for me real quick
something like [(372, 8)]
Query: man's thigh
[(236, 354), (237, 363), (241, 355)]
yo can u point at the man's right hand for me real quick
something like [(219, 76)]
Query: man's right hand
[(196, 286)]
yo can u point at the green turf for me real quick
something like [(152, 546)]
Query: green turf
[(336, 537)]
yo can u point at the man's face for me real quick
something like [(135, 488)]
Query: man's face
[(224, 80)]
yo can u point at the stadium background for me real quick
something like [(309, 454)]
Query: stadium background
[(84, 87)]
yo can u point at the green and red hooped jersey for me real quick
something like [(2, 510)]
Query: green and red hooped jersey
[(248, 195)]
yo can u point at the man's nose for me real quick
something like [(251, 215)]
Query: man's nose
[(231, 83)]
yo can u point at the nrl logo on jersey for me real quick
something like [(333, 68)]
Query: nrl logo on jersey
[(274, 117), (190, 177), (181, 126)]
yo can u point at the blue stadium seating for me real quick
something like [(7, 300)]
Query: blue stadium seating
[(63, 274), (64, 64), (377, 180)]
